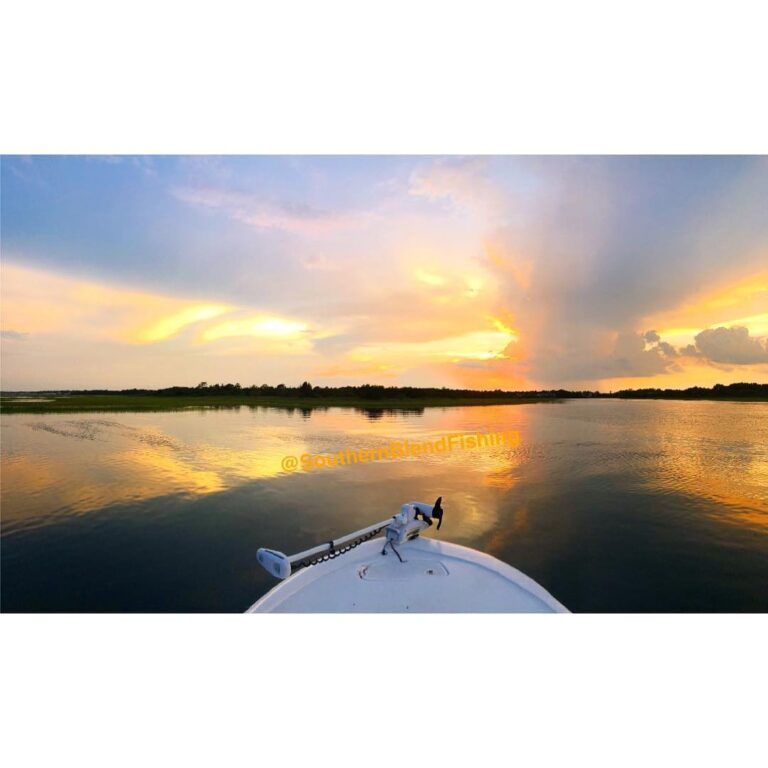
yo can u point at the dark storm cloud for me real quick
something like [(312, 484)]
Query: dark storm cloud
[(731, 345), (602, 243)]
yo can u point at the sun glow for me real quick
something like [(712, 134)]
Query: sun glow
[(430, 278), (503, 326), (475, 345), (170, 326), (474, 285), (260, 327)]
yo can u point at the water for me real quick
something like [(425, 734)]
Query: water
[(610, 505)]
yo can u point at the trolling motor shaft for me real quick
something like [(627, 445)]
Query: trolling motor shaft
[(413, 518)]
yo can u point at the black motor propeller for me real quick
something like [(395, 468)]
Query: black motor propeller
[(437, 512)]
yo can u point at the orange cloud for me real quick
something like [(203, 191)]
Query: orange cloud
[(741, 303), (40, 302), (172, 324), (36, 301)]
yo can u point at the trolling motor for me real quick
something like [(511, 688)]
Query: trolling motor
[(413, 518)]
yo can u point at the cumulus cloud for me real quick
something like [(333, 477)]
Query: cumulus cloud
[(629, 357), (731, 345), (606, 243), (667, 349)]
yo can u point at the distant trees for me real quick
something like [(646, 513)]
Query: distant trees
[(365, 391), (374, 392), (740, 389)]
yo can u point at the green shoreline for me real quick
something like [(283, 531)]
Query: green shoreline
[(116, 403), (128, 403)]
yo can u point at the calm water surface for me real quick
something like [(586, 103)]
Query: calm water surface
[(610, 505)]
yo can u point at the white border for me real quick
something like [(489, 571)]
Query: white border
[(350, 77), (425, 690), (402, 77)]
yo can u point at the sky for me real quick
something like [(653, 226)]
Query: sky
[(515, 272)]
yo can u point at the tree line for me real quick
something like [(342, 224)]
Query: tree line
[(364, 391), (741, 389), (379, 392)]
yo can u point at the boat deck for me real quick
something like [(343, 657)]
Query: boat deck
[(435, 577)]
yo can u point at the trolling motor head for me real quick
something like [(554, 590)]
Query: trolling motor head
[(413, 518)]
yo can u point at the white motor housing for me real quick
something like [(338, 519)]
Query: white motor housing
[(274, 562), (405, 525)]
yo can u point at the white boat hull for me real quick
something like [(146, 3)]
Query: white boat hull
[(435, 577)]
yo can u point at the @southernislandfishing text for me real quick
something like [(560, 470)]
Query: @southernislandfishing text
[(401, 449)]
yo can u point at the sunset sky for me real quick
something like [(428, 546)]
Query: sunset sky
[(511, 272)]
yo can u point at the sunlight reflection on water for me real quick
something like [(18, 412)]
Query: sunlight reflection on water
[(590, 482)]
